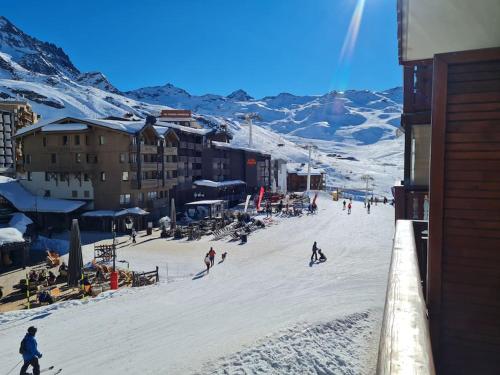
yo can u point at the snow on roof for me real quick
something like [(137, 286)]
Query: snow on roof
[(301, 169), (16, 229), (111, 213), (64, 127), (210, 183), (213, 201), (25, 201), (182, 128), (10, 235), (233, 147)]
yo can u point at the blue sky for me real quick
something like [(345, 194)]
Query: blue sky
[(218, 46)]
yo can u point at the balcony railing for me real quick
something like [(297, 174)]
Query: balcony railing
[(170, 151), (405, 346), (411, 204), (417, 88)]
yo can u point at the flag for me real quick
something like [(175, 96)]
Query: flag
[(261, 195), (247, 201)]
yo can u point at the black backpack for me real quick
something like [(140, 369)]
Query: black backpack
[(22, 346)]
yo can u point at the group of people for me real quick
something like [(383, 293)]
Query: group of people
[(42, 277), (210, 258), (349, 206)]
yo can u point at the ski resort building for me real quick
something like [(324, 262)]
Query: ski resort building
[(297, 177), (443, 307), (223, 161), (111, 165), (14, 115)]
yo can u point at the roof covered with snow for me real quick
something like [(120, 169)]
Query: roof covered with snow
[(111, 213), (234, 147), (25, 201), (301, 169), (15, 230), (64, 127), (217, 184), (212, 201), (182, 128)]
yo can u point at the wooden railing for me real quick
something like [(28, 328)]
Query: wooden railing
[(417, 88), (405, 346), (411, 204)]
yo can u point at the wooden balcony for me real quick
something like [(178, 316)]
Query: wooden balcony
[(145, 184), (170, 151), (405, 345), (171, 166), (411, 203), (417, 94), (145, 149)]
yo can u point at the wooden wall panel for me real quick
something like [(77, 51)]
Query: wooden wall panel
[(464, 228)]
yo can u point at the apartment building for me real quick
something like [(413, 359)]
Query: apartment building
[(14, 115), (223, 162), (112, 165)]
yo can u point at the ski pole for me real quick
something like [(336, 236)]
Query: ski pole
[(13, 368)]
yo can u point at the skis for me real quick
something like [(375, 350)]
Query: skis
[(47, 369)]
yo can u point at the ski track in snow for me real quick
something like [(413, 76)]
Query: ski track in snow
[(265, 310)]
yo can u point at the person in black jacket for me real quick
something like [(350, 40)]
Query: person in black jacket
[(314, 252)]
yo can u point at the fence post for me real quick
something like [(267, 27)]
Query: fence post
[(157, 275)]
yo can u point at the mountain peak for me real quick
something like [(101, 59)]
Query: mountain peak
[(239, 95), (98, 80), (33, 54)]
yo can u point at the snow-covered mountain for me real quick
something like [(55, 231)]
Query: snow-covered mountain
[(355, 131)]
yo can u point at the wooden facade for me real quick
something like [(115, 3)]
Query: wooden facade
[(463, 291)]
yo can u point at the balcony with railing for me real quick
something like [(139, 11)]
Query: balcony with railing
[(405, 345)]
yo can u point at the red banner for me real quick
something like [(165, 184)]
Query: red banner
[(261, 195)]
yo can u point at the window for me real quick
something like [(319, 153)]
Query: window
[(124, 198), (27, 159), (140, 197), (44, 141), (103, 176), (101, 139), (29, 176), (125, 176), (47, 176), (86, 194), (78, 157), (53, 158), (85, 177), (133, 158), (74, 194), (420, 154), (152, 195), (77, 140), (47, 193), (87, 141), (62, 177), (65, 140), (123, 158)]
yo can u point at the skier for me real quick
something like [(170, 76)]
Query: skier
[(368, 207), (343, 205), (349, 206), (385, 200), (314, 252), (207, 262), (211, 255), (30, 352), (224, 255), (134, 234), (322, 257)]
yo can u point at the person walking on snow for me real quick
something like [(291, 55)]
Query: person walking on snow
[(349, 206), (30, 352), (211, 255), (314, 251), (207, 263), (134, 234), (344, 205), (368, 207)]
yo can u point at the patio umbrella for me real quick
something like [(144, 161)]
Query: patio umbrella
[(172, 214), (75, 261)]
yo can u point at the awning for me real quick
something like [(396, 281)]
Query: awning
[(111, 213)]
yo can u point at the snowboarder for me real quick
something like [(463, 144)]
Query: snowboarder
[(207, 262), (349, 206), (224, 255), (134, 234), (322, 257), (211, 255), (30, 352), (344, 203), (368, 207), (314, 252)]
